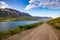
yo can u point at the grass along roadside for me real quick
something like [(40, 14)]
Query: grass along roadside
[(18, 29), (55, 23)]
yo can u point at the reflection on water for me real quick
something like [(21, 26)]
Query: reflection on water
[(9, 25)]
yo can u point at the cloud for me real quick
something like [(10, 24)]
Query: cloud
[(50, 4), (4, 5), (30, 6)]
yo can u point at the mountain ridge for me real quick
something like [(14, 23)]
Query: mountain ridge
[(12, 13)]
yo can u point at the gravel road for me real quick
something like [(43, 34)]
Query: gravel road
[(42, 32)]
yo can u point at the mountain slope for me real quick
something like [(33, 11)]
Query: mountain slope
[(55, 22), (7, 12), (12, 14)]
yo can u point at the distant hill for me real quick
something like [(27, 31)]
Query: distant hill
[(43, 18), (6, 13), (55, 22)]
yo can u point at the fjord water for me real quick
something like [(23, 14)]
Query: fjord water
[(9, 25)]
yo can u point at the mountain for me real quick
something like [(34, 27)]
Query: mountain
[(6, 13)]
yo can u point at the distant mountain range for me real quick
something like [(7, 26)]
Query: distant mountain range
[(9, 13)]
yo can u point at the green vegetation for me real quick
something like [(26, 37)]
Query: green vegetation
[(18, 29), (9, 32), (7, 19), (55, 22)]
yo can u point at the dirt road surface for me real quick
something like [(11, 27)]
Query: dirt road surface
[(42, 32)]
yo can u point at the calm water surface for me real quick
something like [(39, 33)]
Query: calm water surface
[(9, 25)]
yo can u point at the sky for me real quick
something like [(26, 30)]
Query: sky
[(42, 8)]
